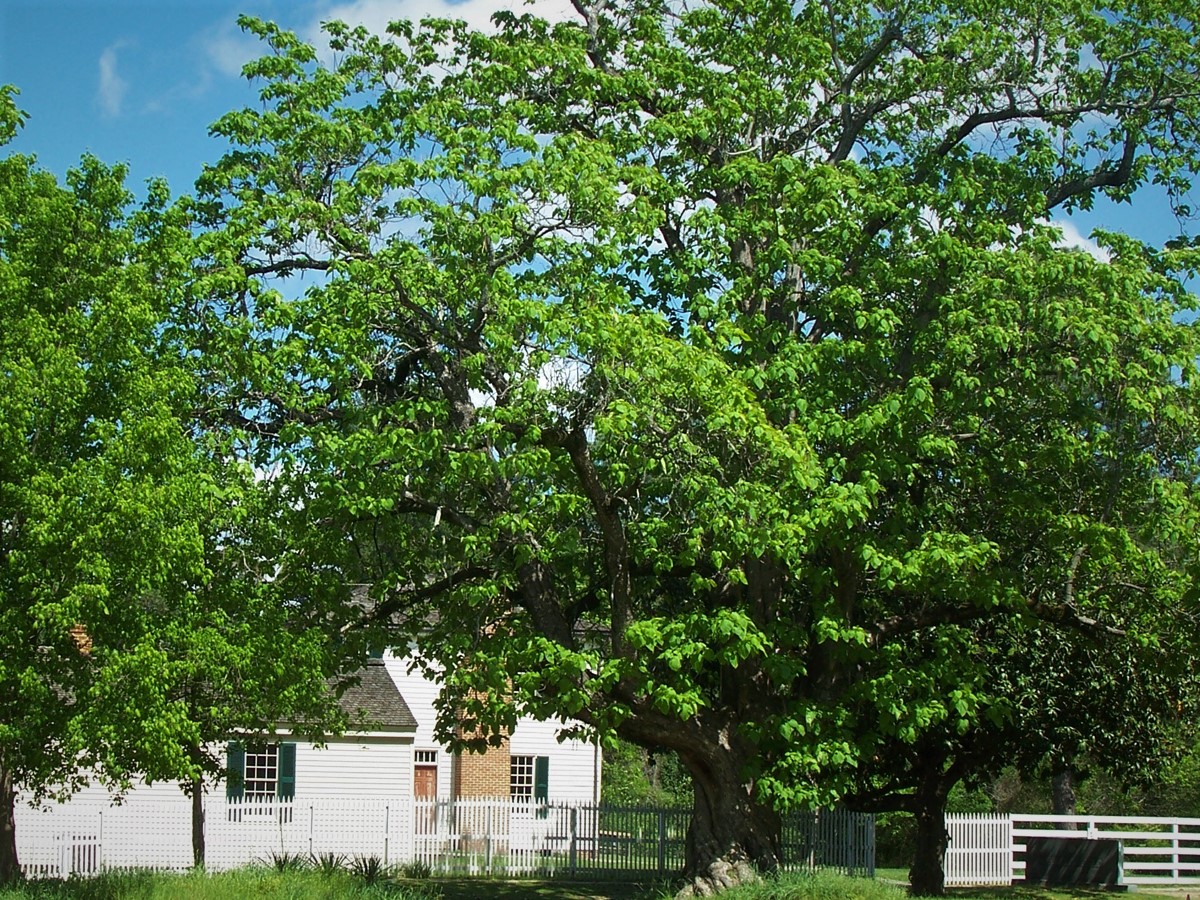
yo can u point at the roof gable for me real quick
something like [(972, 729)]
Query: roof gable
[(370, 698)]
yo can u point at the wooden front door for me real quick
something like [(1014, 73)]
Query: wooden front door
[(425, 782)]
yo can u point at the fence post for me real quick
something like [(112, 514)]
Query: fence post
[(847, 853), (487, 843), (870, 846), (662, 842), (411, 806), (574, 835), (1174, 851)]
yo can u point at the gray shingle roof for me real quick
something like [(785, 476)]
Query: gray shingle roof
[(375, 701)]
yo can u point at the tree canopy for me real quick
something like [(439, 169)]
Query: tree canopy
[(714, 374), (695, 364)]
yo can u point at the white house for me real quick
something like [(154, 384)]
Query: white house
[(381, 790)]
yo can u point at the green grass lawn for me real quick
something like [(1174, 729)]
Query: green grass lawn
[(267, 884), (1037, 893), (1020, 892)]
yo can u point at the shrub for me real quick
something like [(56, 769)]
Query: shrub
[(286, 861), (329, 864), (370, 869), (417, 869)]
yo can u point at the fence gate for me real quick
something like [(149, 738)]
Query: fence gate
[(980, 851)]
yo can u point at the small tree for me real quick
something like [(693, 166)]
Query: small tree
[(635, 776), (1028, 699), (138, 617), (93, 464)]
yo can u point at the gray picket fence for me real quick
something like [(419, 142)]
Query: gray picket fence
[(503, 837), (499, 837)]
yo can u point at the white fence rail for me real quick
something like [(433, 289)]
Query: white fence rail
[(499, 836), (988, 849)]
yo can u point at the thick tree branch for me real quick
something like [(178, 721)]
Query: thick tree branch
[(403, 598), (1105, 176), (612, 530), (302, 263)]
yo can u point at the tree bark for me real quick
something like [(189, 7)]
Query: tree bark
[(10, 867), (732, 838), (1062, 791), (197, 793), (927, 877)]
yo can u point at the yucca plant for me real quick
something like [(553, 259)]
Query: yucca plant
[(286, 861), (370, 869)]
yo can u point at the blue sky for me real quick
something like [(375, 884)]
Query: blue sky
[(140, 81)]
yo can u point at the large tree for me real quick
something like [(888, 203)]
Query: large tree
[(690, 361)]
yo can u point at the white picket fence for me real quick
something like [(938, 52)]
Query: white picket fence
[(476, 836), (987, 849), (501, 836)]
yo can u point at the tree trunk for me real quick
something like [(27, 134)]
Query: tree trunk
[(10, 867), (197, 792), (927, 877), (732, 838), (1062, 791)]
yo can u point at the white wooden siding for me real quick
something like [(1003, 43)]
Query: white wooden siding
[(378, 768), (574, 764)]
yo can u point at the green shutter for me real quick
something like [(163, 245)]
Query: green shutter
[(287, 772), (235, 771), (541, 783)]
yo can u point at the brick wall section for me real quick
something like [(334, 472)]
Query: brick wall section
[(482, 774), (485, 774)]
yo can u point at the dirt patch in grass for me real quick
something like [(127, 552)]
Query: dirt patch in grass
[(474, 888)]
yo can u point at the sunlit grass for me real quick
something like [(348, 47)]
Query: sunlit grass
[(260, 883)]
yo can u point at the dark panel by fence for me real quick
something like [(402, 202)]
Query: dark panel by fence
[(623, 841), (1072, 861)]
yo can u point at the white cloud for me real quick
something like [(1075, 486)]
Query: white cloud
[(376, 14), (228, 48), (1073, 238), (112, 88)]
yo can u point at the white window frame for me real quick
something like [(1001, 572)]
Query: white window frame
[(260, 775), (520, 777)]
